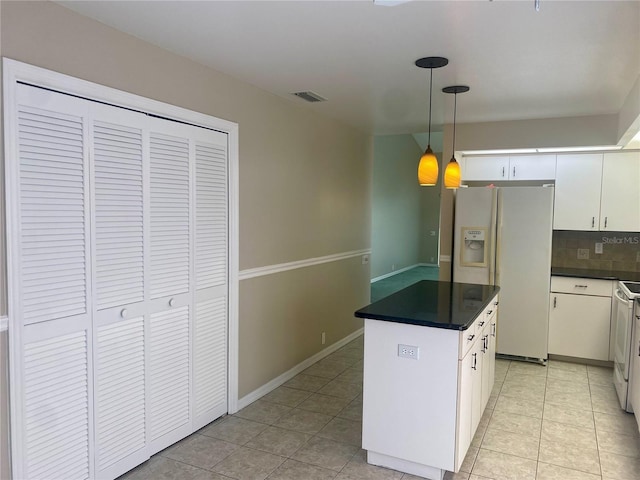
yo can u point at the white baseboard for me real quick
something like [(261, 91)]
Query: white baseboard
[(289, 374)]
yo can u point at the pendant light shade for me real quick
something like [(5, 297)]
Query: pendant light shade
[(452, 177), (428, 166), (428, 169)]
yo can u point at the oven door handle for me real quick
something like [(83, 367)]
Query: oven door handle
[(624, 300)]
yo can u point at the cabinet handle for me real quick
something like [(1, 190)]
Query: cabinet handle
[(555, 302), (496, 303), (593, 222), (172, 302), (489, 312), (124, 313), (493, 329), (470, 337), (582, 286), (514, 172), (481, 324), (475, 361), (502, 172), (605, 221), (484, 343)]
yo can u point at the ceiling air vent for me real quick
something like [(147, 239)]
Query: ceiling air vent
[(309, 96)]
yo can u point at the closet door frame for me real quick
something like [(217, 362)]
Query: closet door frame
[(15, 72)]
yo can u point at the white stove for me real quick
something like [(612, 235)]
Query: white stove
[(623, 316)]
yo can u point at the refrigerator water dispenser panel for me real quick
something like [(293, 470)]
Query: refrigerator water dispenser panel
[(474, 247)]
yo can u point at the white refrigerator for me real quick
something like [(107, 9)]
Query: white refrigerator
[(503, 237)]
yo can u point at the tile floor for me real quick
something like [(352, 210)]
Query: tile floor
[(556, 422)]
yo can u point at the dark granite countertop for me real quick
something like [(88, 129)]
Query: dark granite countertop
[(597, 274), (430, 303)]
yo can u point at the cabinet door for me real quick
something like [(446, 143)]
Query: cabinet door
[(577, 192), (493, 329), (579, 326), (635, 370), (476, 402), (532, 167), (465, 401), (620, 203), (486, 168), (488, 348)]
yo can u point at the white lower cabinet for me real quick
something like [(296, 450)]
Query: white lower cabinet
[(580, 317), (477, 375), (420, 416)]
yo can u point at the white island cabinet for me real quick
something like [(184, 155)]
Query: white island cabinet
[(426, 384)]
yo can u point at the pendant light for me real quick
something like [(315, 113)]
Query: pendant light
[(428, 166), (452, 177)]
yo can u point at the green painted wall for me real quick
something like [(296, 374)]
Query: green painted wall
[(403, 213)]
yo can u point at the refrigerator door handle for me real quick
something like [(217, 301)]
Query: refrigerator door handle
[(496, 226), (493, 254)]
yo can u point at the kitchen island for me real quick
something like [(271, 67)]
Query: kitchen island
[(429, 362)]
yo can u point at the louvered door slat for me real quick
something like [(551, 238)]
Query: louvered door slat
[(51, 156), (120, 391), (169, 213), (211, 216), (118, 280), (169, 371), (58, 432), (210, 355)]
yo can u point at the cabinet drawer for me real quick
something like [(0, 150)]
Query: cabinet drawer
[(582, 286), (469, 336)]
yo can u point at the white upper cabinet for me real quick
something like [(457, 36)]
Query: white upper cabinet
[(532, 167), (596, 191), (577, 192), (505, 167), (486, 168), (620, 203)]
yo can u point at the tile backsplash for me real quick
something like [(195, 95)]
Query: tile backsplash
[(620, 250)]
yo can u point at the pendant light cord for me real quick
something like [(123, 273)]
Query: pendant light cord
[(455, 108), (430, 94)]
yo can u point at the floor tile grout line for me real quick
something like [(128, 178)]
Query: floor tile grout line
[(544, 403)]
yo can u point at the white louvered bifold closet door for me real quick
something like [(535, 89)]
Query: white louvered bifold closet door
[(170, 267), (117, 227), (120, 339), (210, 324), (49, 287)]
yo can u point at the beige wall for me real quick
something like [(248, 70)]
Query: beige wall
[(304, 180), (552, 132)]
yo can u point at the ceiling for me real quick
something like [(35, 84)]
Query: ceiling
[(571, 58)]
